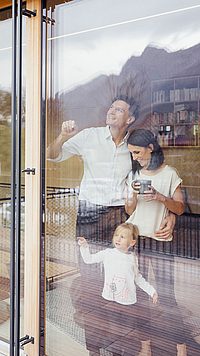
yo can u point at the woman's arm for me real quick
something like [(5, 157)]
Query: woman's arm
[(175, 204), (131, 203)]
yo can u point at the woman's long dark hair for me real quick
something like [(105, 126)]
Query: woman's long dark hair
[(143, 138)]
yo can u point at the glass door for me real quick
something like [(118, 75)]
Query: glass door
[(12, 192), (5, 154), (102, 60)]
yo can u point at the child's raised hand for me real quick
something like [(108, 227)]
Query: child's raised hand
[(82, 241), (155, 297)]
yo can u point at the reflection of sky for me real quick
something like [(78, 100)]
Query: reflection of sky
[(83, 56), (87, 14), (6, 52)]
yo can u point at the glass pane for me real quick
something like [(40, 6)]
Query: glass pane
[(111, 69), (5, 162), (5, 174)]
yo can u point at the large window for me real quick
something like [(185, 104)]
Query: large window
[(98, 52)]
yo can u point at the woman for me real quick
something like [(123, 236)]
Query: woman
[(162, 197), (164, 194)]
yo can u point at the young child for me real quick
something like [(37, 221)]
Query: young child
[(121, 274)]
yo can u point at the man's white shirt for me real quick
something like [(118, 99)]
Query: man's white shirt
[(106, 166)]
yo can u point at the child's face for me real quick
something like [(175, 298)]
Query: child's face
[(122, 240)]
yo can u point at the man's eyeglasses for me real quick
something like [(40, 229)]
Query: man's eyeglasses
[(118, 109)]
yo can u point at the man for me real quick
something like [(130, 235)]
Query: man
[(107, 163), (103, 191)]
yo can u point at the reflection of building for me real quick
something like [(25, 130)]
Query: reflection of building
[(173, 101), (175, 111), (175, 121)]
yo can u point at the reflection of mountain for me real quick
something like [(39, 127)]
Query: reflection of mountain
[(87, 104)]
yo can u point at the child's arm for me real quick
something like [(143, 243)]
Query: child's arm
[(85, 252), (82, 241), (143, 284), (155, 297), (147, 287)]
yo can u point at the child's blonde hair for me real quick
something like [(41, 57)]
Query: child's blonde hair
[(133, 229)]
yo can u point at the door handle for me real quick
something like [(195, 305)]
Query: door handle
[(29, 171)]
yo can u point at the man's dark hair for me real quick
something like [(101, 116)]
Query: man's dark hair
[(143, 138), (131, 89), (134, 107)]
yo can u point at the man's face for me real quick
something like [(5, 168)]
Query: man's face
[(118, 115)]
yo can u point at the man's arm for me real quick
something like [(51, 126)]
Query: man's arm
[(166, 227), (68, 130)]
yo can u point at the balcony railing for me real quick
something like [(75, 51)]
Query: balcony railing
[(61, 210)]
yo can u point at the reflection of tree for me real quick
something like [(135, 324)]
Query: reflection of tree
[(55, 114), (5, 134), (5, 107)]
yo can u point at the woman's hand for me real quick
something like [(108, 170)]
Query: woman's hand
[(136, 186), (82, 241), (152, 194), (148, 195)]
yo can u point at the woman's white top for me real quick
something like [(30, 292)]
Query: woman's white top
[(149, 215), (121, 274)]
